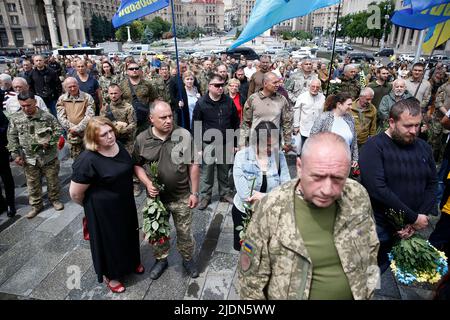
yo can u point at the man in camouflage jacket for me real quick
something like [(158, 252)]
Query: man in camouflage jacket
[(122, 116), (278, 258), (33, 135), (347, 83)]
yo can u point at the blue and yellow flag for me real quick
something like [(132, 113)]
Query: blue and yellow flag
[(435, 38), (420, 5), (412, 19), (130, 10), (267, 13)]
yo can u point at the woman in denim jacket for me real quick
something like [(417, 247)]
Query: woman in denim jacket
[(261, 165)]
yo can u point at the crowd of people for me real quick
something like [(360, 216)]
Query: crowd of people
[(368, 138)]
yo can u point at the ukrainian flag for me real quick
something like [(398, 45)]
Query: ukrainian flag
[(431, 39)]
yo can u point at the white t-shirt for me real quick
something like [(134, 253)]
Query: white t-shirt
[(341, 128)]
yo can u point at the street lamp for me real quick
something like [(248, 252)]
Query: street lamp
[(387, 8)]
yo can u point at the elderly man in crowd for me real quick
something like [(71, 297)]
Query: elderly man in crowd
[(307, 109), (75, 109), (348, 82), (398, 93), (20, 85), (365, 116)]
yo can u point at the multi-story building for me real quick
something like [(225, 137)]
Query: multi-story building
[(206, 14), (32, 23), (355, 6), (245, 9)]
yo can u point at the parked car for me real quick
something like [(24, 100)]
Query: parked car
[(236, 53), (301, 53), (273, 49), (385, 52), (121, 55), (198, 54), (5, 60), (347, 47), (340, 50), (361, 56)]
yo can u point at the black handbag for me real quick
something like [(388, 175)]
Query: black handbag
[(140, 108)]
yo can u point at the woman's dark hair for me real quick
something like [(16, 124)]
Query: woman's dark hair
[(264, 131), (332, 100), (111, 66)]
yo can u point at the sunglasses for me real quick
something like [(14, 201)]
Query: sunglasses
[(133, 69), (217, 85)]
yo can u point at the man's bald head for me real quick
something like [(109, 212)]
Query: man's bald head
[(323, 168)]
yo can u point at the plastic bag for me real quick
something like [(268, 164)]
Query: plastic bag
[(297, 143), (64, 153)]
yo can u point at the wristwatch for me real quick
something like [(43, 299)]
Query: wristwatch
[(195, 194)]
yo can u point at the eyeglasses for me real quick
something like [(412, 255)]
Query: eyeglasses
[(217, 85), (133, 69)]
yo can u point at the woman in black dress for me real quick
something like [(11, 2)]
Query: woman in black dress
[(102, 182)]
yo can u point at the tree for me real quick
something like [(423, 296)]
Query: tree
[(136, 29), (238, 33), (147, 37), (158, 26), (96, 28)]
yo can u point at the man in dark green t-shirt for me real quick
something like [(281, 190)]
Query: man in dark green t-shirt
[(314, 238), (171, 147)]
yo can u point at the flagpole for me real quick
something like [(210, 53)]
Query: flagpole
[(429, 58), (334, 46), (179, 83)]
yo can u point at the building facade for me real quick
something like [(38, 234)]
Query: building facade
[(206, 14), (52, 23)]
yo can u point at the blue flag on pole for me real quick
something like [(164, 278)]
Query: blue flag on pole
[(267, 13), (422, 19), (130, 10)]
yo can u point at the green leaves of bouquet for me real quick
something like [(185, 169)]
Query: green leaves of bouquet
[(414, 259), (248, 214), (156, 226)]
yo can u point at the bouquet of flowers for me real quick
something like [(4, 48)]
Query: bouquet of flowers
[(156, 225), (415, 259), (248, 214)]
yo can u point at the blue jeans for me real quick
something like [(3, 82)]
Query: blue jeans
[(386, 238), (51, 105)]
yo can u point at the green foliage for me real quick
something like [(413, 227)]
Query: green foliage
[(355, 25), (148, 35), (158, 26), (101, 29), (189, 32), (155, 225), (299, 35), (137, 28), (415, 255)]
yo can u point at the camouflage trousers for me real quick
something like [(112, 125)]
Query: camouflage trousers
[(33, 175), (182, 218), (76, 149), (436, 138)]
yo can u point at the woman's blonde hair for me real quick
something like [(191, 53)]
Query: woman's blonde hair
[(92, 129), (188, 73), (235, 81)]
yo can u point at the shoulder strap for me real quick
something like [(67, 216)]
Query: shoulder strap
[(109, 113)]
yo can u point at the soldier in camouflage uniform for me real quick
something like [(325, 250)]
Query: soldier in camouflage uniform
[(288, 253), (14, 68), (436, 132), (347, 83), (106, 79), (268, 105), (75, 109), (161, 83), (205, 75), (122, 116), (299, 81), (144, 90), (180, 178), (33, 135)]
